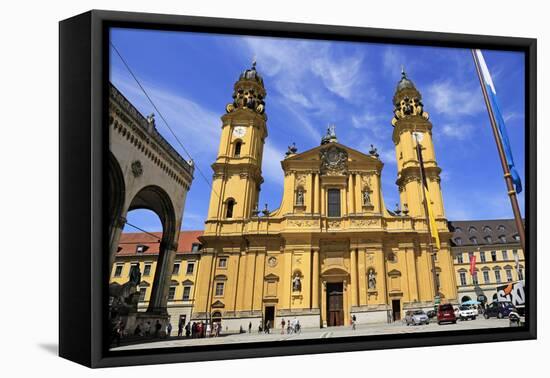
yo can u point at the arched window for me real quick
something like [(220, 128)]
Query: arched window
[(229, 208), (238, 146)]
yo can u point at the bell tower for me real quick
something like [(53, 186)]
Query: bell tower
[(237, 170), (411, 126)]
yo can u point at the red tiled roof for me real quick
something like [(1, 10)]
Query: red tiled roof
[(130, 240)]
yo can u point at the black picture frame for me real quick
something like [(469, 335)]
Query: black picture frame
[(83, 273)]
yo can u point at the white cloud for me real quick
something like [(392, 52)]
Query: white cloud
[(197, 127), (339, 77), (457, 131), (512, 116), (306, 78), (454, 99), (271, 163)]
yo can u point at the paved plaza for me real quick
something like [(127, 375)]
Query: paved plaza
[(361, 330)]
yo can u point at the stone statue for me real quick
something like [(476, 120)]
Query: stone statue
[(296, 283), (300, 197), (366, 198), (372, 279), (124, 298)]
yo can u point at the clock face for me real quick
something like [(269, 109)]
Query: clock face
[(418, 136), (239, 131)]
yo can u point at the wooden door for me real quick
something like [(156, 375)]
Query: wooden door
[(335, 304)]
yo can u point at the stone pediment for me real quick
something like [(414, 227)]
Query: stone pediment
[(394, 273), (315, 154), (187, 282), (271, 277), (218, 304)]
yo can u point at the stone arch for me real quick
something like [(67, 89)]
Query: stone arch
[(117, 191), (117, 196), (155, 199)]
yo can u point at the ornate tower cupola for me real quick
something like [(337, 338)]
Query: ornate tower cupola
[(238, 166), (249, 92), (407, 100), (411, 126)]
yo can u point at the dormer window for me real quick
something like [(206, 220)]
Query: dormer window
[(473, 239), (488, 239), (501, 227), (472, 229), (458, 241), (487, 229), (140, 248), (502, 238)]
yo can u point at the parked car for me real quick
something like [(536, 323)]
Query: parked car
[(516, 318), (499, 309), (416, 317), (466, 312), (445, 313)]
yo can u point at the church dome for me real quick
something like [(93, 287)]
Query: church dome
[(404, 82), (252, 74)]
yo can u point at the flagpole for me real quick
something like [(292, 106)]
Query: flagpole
[(507, 175), (430, 244)]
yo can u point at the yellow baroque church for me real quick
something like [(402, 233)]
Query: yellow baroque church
[(332, 249)]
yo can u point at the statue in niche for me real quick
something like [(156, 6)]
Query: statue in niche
[(296, 283), (366, 198), (300, 197), (372, 279)]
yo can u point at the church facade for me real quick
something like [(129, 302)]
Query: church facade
[(332, 249)]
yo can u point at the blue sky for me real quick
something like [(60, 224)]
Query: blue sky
[(310, 84)]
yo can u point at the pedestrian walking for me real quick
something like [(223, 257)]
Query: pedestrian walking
[(353, 322), (283, 326), (137, 331), (117, 332), (267, 325), (158, 326), (180, 328), (169, 329), (249, 327), (208, 330), (148, 328)]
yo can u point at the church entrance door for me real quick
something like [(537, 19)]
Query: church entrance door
[(335, 304), (269, 316), (396, 309)]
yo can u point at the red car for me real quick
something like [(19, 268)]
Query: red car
[(446, 313)]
